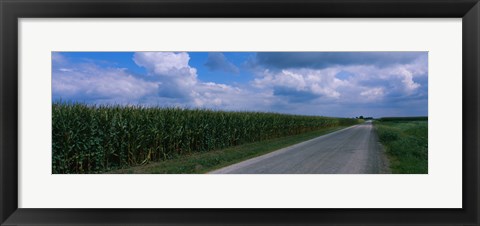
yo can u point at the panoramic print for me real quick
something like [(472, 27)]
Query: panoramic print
[(239, 112)]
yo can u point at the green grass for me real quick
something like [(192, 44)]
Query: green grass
[(406, 143), (97, 139), (205, 162)]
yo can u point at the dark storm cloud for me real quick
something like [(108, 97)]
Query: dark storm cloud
[(320, 60), (218, 62)]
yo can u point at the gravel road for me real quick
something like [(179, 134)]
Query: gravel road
[(353, 150)]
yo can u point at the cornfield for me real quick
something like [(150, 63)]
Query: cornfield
[(95, 139)]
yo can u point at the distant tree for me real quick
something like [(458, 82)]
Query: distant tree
[(361, 117)]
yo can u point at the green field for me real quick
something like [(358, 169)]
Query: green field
[(98, 139), (406, 143)]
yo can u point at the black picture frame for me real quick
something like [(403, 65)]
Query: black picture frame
[(12, 10)]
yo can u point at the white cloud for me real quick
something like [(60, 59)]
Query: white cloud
[(364, 83), (180, 83), (89, 81), (318, 82), (163, 63), (373, 93), (407, 80), (171, 69), (171, 81), (65, 70)]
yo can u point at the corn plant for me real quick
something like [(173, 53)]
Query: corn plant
[(95, 139)]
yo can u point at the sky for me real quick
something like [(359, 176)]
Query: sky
[(337, 84)]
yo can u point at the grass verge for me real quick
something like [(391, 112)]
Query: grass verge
[(406, 143), (197, 163)]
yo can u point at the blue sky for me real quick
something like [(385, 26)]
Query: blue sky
[(343, 84)]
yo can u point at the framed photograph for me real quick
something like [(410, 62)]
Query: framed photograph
[(225, 112)]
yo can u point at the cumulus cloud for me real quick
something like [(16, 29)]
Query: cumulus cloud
[(302, 84), (101, 85), (218, 62), (373, 93), (172, 70), (165, 63), (180, 83), (170, 81), (347, 85), (226, 97), (332, 84)]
